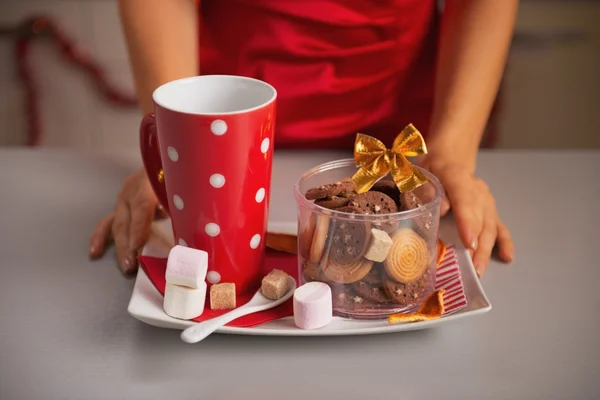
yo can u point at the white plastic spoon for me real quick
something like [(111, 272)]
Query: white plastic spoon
[(197, 332)]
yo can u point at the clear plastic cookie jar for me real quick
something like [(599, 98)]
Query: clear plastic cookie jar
[(377, 257)]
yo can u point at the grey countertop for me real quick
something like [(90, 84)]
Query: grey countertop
[(65, 332)]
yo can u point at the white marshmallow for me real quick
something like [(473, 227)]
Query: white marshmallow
[(313, 306), (186, 267), (380, 245), (184, 302)]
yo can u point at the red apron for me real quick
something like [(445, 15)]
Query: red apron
[(339, 66)]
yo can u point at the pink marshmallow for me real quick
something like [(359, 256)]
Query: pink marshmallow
[(313, 306), (186, 267)]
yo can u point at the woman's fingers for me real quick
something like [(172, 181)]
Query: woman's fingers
[(120, 232), (444, 206), (468, 225), (487, 239), (144, 209), (129, 224), (160, 212), (467, 213), (504, 243), (101, 236), (142, 213), (481, 257), (474, 212)]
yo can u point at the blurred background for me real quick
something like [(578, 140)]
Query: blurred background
[(550, 96)]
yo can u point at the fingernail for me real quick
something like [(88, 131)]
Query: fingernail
[(478, 273), (473, 244), (506, 257), (128, 263), (92, 250)]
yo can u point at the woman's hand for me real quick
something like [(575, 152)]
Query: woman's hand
[(474, 210), (128, 225)]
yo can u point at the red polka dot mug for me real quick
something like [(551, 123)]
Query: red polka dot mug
[(208, 150)]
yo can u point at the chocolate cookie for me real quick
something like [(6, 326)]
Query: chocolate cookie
[(409, 201), (375, 275), (375, 293), (344, 298), (409, 294), (349, 240), (374, 203), (333, 202), (341, 189), (389, 188), (350, 210)]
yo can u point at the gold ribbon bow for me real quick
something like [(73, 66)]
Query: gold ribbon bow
[(376, 161)]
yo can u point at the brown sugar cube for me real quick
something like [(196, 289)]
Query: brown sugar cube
[(222, 296), (275, 285)]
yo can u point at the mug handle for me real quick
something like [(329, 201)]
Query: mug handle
[(151, 159)]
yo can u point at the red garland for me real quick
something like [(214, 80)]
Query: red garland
[(40, 27)]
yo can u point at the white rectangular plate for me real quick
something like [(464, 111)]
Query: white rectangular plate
[(146, 301)]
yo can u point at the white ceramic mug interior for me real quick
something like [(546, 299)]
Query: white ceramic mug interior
[(214, 95)]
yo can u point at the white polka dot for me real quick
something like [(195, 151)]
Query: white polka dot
[(173, 154), (264, 146), (212, 229), (178, 201), (213, 277), (217, 180), (260, 195), (218, 127), (182, 242), (255, 241)]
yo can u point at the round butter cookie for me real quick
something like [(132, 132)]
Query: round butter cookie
[(319, 238), (408, 257), (347, 272)]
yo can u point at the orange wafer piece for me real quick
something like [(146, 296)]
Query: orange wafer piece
[(441, 251), (432, 308), (282, 242)]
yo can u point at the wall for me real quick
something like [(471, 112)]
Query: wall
[(72, 112), (552, 86)]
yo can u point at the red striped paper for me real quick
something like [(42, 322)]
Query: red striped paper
[(448, 277)]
